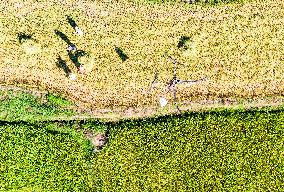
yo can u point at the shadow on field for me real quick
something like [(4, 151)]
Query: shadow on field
[(71, 22), (226, 113), (23, 37), (121, 54), (111, 128), (64, 38), (74, 56), (62, 64), (182, 42), (55, 132), (108, 126)]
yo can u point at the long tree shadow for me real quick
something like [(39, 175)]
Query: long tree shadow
[(62, 64), (121, 54)]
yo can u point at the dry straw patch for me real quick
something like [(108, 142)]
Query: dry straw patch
[(239, 47)]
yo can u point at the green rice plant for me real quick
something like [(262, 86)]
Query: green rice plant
[(226, 150), (41, 158)]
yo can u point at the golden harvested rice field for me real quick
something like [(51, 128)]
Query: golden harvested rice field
[(238, 48)]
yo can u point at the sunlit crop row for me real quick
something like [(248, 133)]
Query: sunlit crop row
[(238, 47)]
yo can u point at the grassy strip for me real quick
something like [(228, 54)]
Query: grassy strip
[(21, 106), (18, 104), (223, 150)]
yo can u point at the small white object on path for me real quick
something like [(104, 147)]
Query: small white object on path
[(163, 101), (72, 76), (79, 31)]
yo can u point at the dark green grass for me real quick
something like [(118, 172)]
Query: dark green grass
[(20, 106), (58, 101), (43, 157), (221, 151)]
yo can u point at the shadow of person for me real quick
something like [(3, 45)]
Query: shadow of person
[(74, 56), (66, 39), (121, 54), (71, 22), (74, 25), (62, 64)]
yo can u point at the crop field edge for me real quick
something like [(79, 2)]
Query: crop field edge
[(273, 102)]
